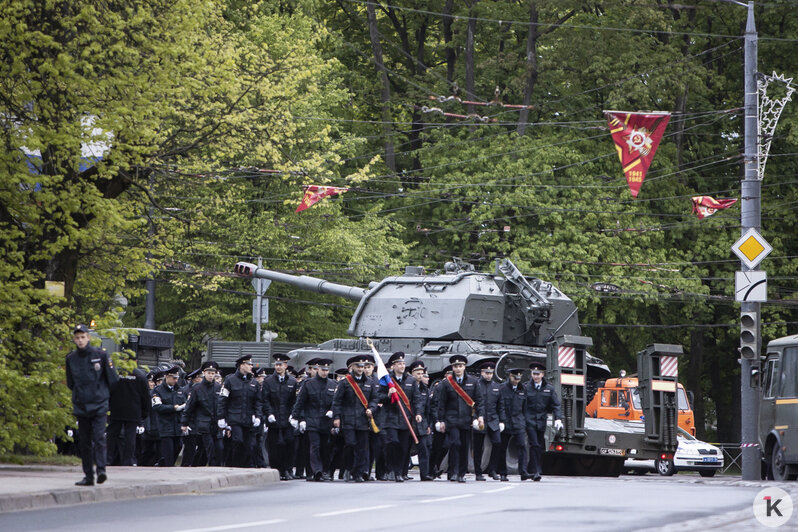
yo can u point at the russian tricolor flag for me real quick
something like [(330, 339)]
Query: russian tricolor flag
[(382, 374)]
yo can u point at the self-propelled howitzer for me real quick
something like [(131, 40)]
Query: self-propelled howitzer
[(487, 315)]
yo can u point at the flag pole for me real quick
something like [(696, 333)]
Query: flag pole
[(380, 363)]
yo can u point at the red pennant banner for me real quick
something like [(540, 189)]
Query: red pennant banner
[(316, 193), (705, 206), (636, 137)]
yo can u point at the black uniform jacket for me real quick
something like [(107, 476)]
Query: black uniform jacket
[(452, 409), (348, 408), (279, 399), (239, 399), (392, 417), (91, 376), (130, 398), (202, 407), (539, 403), (164, 400), (424, 409), (494, 407), (314, 401), (514, 407)]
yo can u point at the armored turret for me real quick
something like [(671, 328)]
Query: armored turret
[(457, 304)]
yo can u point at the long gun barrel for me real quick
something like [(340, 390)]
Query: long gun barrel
[(354, 293)]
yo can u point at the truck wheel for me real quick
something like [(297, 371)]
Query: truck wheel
[(781, 471), (707, 473), (665, 468)]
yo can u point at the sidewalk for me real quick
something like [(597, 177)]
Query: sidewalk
[(35, 487)]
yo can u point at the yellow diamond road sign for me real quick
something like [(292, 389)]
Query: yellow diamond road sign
[(751, 248)]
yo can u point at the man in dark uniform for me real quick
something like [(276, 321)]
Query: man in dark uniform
[(301, 442), (513, 395), (168, 401), (151, 439), (494, 422), (376, 439), (438, 438), (240, 410), (353, 404), (191, 441), (423, 412), (395, 410), (202, 408), (313, 411), (279, 397), (260, 456), (91, 376), (460, 409), (130, 406), (541, 400)]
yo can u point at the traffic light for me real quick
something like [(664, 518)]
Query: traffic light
[(749, 335)]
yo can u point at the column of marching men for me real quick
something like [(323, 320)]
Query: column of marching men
[(313, 423)]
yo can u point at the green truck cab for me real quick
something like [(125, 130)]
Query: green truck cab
[(778, 410)]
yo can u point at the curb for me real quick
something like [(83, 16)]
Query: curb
[(65, 497)]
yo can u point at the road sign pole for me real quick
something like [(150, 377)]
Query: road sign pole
[(750, 217), (258, 305)]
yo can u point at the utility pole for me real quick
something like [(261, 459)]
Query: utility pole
[(750, 218)]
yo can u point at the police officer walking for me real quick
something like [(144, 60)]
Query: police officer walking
[(240, 410), (313, 411), (541, 400), (90, 375), (168, 401), (460, 409), (278, 397), (513, 396), (494, 422), (202, 407), (422, 419), (353, 404), (394, 426), (130, 406)]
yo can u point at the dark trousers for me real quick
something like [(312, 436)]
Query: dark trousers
[(335, 458), (458, 443), (536, 443), (519, 442), (397, 449), (377, 453), (260, 458), (170, 448), (190, 449), (356, 451), (240, 446), (438, 452), (150, 452), (424, 448), (280, 443), (121, 442), (479, 446), (301, 452), (91, 436), (213, 449), (318, 449)]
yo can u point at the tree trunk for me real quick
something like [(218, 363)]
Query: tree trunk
[(531, 65), (451, 55), (385, 95), (694, 367), (469, 57)]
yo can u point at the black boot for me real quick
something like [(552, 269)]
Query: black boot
[(85, 481)]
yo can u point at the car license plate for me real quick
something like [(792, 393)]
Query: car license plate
[(710, 459), (614, 452)]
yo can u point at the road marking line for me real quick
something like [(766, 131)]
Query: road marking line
[(497, 490), (233, 527), (354, 510), (447, 498)]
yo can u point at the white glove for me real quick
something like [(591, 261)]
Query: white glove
[(475, 424), (437, 426), (335, 430), (501, 427), (557, 424), (294, 423), (302, 426), (329, 414), (180, 407), (273, 419), (139, 430), (70, 432), (222, 423), (255, 421)]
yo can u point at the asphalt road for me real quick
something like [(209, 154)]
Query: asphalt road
[(564, 503)]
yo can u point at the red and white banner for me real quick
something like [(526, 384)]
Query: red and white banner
[(316, 193), (668, 366), (707, 205), (566, 356), (636, 137)]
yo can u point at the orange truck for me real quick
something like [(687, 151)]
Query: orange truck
[(618, 399)]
